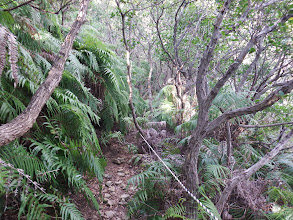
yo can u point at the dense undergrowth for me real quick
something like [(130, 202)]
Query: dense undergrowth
[(62, 150)]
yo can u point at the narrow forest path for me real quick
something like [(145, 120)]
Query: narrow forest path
[(115, 194)]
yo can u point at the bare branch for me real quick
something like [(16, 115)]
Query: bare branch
[(266, 4), (22, 173), (265, 126), (18, 6), (267, 102), (231, 70), (157, 20), (250, 68)]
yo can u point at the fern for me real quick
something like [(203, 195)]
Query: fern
[(20, 158), (31, 207), (210, 205), (36, 207), (176, 211), (151, 184), (68, 210), (10, 106)]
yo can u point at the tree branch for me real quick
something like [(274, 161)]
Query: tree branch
[(18, 6), (208, 55), (267, 102), (231, 70), (160, 37), (266, 126)]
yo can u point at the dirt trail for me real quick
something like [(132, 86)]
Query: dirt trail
[(114, 187)]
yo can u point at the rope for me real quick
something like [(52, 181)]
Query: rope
[(180, 183)]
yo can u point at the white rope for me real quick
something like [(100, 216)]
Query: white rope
[(181, 184)]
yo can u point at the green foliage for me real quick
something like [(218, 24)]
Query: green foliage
[(106, 137), (165, 105), (210, 205), (62, 146), (176, 211), (281, 196), (151, 184), (34, 204)]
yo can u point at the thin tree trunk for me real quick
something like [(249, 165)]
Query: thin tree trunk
[(131, 93), (149, 81), (229, 144), (178, 86), (192, 179), (132, 108), (22, 123)]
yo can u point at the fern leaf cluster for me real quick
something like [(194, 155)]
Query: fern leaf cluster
[(151, 184)]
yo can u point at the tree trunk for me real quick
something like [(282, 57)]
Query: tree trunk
[(229, 144), (22, 123), (192, 179), (178, 85), (150, 81), (129, 73), (131, 93)]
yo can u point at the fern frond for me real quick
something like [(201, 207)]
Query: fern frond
[(69, 210), (7, 38), (20, 158), (48, 42), (210, 205), (11, 106), (217, 171), (31, 207), (176, 211)]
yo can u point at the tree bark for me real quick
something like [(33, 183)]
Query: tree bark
[(229, 144), (22, 123), (248, 172), (150, 80), (132, 108), (192, 180)]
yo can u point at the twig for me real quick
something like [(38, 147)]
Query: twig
[(18, 6)]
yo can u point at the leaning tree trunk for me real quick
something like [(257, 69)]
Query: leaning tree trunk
[(191, 171), (22, 123)]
